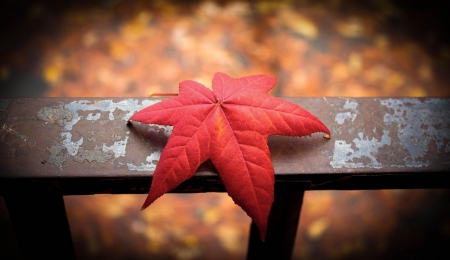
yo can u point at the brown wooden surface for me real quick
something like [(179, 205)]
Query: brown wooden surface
[(84, 146)]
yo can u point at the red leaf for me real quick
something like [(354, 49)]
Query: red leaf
[(230, 126)]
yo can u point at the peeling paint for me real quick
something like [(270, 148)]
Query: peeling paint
[(341, 117), (56, 114), (68, 115), (97, 154), (93, 117), (102, 154), (72, 147), (58, 155), (118, 148), (417, 127), (130, 106), (344, 155), (350, 105), (150, 166)]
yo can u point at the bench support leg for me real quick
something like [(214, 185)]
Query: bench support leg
[(41, 226), (281, 228)]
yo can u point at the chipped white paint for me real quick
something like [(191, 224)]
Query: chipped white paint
[(417, 126), (366, 149), (153, 158), (98, 110), (71, 146), (118, 148), (130, 106), (340, 117), (150, 166), (344, 155), (349, 105), (93, 117)]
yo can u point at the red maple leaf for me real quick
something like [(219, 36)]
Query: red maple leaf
[(230, 126)]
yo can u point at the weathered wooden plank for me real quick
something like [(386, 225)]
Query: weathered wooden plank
[(84, 146)]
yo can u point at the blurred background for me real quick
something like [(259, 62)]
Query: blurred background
[(115, 48)]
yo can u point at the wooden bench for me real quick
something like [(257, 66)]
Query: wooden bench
[(52, 147)]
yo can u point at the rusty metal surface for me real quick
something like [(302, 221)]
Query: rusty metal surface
[(84, 146)]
